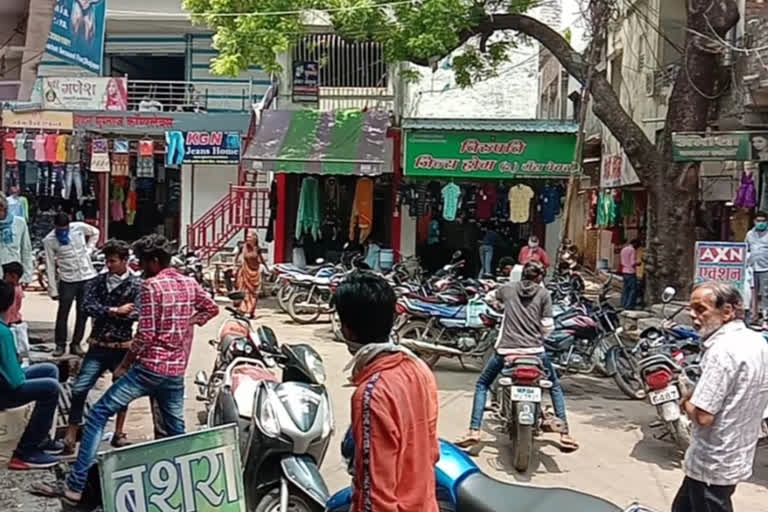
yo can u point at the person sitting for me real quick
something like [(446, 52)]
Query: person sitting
[(12, 274), (38, 383)]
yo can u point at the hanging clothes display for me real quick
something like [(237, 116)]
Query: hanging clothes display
[(145, 162), (486, 201), (308, 217), (520, 203), (746, 197), (362, 209), (549, 203), (451, 194)]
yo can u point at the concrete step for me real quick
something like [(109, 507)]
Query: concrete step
[(664, 310)]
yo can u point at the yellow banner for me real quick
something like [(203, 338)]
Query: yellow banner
[(42, 119)]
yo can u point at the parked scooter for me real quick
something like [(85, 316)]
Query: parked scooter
[(462, 487), (285, 424)]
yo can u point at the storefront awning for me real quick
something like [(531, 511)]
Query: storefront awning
[(334, 142)]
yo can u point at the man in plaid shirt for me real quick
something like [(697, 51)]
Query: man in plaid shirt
[(170, 306)]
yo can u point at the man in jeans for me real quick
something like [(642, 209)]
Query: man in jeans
[(727, 404), (38, 383), (170, 305), (629, 264), (111, 300), (68, 264), (527, 320), (757, 260)]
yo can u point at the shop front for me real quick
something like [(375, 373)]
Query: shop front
[(466, 178), (333, 187)]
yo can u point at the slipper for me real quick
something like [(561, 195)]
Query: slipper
[(57, 489), (468, 442), (568, 445), (120, 440)]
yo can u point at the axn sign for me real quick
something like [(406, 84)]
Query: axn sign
[(722, 255), (204, 138)]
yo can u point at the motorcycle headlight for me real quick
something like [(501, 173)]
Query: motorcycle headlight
[(248, 348), (328, 418), (268, 418), (315, 365)]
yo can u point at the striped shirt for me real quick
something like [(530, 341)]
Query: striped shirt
[(734, 388)]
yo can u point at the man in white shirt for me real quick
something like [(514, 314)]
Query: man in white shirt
[(68, 263), (727, 404)]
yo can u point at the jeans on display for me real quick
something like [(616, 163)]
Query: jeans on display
[(97, 361), (174, 148), (11, 175), (137, 382), (69, 293), (31, 174), (629, 291), (492, 370), (44, 180), (57, 179), (486, 260), (73, 175), (41, 385)]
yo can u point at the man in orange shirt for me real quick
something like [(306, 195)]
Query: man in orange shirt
[(394, 408)]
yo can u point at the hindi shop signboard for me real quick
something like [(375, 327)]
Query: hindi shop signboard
[(84, 93), (306, 81), (77, 33), (198, 147), (719, 146), (197, 471), (493, 155), (721, 261)]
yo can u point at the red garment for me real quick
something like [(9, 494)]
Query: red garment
[(50, 147), (486, 201), (146, 147), (13, 313), (422, 227), (169, 305), (9, 146), (537, 254), (394, 424)]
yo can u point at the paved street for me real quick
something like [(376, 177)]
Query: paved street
[(619, 458)]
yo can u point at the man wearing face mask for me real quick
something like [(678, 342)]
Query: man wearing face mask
[(757, 259), (533, 252), (727, 404), (68, 263), (394, 408)]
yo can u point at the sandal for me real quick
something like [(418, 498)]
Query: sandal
[(120, 440), (468, 441), (568, 444), (57, 489)]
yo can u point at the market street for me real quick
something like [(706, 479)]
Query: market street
[(619, 458)]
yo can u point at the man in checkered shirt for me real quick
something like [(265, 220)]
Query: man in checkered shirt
[(726, 407), (170, 305)]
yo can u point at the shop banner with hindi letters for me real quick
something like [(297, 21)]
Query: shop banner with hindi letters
[(197, 147), (494, 155), (196, 471), (40, 120), (719, 146), (77, 33), (85, 93), (616, 171), (721, 261)]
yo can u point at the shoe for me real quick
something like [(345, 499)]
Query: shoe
[(58, 352), (76, 350), (53, 447), (33, 460)]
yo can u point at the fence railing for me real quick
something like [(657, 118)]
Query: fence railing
[(197, 96)]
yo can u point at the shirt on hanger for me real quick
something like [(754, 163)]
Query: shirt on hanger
[(147, 147), (40, 147), (451, 194), (9, 146), (50, 147), (121, 164), (21, 152), (520, 203), (486, 201), (62, 141), (74, 145), (549, 200), (120, 146), (29, 147)]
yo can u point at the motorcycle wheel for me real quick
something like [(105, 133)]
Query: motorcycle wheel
[(522, 446), (626, 376), (600, 357), (418, 329), (270, 502), (284, 295), (681, 430), (304, 316)]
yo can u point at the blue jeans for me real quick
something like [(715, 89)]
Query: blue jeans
[(137, 382), (492, 370), (486, 260), (97, 361), (629, 291), (41, 385)]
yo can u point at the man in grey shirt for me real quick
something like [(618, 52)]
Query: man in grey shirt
[(727, 404), (757, 259), (527, 320)]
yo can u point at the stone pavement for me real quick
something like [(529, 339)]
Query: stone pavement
[(620, 459)]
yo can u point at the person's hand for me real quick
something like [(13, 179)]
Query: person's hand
[(119, 372), (196, 320), (125, 309)]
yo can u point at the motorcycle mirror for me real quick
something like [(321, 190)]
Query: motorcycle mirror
[(267, 338), (668, 294), (201, 379)]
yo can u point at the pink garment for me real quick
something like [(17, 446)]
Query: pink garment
[(628, 259), (39, 146), (13, 314)]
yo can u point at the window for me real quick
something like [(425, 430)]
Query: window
[(344, 63), (672, 24)]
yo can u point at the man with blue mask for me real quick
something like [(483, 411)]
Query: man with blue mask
[(68, 263), (757, 260)]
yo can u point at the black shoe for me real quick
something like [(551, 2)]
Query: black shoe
[(58, 352), (76, 350), (53, 447)]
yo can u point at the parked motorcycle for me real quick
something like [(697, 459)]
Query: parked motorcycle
[(190, 264), (285, 424)]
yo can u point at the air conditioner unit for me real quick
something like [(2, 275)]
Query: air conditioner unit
[(650, 83)]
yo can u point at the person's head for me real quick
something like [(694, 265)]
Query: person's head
[(506, 264), (61, 222), (533, 271), (635, 242), (116, 253), (251, 238), (760, 142), (366, 306), (714, 304), (12, 272), (154, 253), (3, 206), (761, 221), (533, 241), (7, 296)]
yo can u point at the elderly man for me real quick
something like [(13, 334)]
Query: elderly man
[(727, 404)]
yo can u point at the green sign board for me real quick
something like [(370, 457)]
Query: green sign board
[(495, 155), (719, 146), (199, 471)]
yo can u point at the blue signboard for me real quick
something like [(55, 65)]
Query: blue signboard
[(77, 33), (216, 147)]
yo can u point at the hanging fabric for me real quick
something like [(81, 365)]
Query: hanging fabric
[(362, 209), (308, 218), (451, 199), (746, 197)]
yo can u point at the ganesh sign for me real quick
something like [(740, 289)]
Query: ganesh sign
[(721, 261)]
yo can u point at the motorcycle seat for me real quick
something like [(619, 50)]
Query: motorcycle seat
[(481, 493), (522, 360)]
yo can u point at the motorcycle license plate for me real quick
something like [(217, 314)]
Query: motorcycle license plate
[(665, 395), (525, 394)]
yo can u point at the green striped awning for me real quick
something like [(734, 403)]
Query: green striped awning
[(309, 141)]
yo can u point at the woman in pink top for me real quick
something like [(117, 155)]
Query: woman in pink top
[(628, 269)]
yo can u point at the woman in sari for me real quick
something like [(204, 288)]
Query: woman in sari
[(249, 274)]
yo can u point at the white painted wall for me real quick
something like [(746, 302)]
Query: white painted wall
[(202, 186)]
